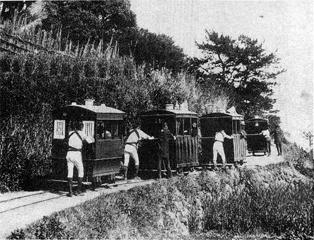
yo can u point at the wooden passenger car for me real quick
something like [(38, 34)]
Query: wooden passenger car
[(183, 152), (235, 149), (105, 124), (255, 141)]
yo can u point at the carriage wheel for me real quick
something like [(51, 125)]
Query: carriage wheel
[(179, 171), (111, 178), (95, 183)]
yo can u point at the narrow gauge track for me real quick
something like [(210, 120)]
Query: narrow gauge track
[(32, 203), (20, 197), (24, 201), (46, 196)]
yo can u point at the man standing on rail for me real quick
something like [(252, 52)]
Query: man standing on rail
[(266, 135), (277, 139), (76, 139), (130, 149), (243, 139), (163, 155), (218, 146)]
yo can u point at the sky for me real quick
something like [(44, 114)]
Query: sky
[(285, 28)]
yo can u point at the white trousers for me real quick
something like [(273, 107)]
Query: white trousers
[(219, 148), (130, 151), (74, 158)]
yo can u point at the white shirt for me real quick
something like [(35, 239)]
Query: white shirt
[(266, 134), (220, 136), (76, 142), (133, 138)]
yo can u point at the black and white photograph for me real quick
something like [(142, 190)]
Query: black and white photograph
[(157, 119)]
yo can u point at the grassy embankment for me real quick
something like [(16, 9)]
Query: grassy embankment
[(264, 202)]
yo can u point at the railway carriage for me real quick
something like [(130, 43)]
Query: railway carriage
[(105, 124), (255, 141), (183, 152), (235, 149)]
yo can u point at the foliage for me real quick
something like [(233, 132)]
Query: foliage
[(25, 149), (74, 24), (79, 21), (48, 228), (302, 160), (243, 66), (157, 51), (82, 21)]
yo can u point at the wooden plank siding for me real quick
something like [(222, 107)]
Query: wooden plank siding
[(183, 152), (186, 152)]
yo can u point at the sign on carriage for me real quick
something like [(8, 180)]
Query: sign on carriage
[(59, 129), (88, 128)]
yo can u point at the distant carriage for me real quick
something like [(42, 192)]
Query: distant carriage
[(105, 124), (256, 142), (235, 149), (183, 151)]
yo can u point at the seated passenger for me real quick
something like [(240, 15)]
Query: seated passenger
[(108, 135)]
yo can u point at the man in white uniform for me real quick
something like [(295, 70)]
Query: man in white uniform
[(74, 154), (219, 148), (130, 149), (266, 135)]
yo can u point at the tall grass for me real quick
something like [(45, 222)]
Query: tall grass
[(25, 150)]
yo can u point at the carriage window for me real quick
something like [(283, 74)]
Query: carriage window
[(209, 126), (114, 130), (235, 126), (179, 126), (150, 125), (187, 126), (153, 125), (121, 128), (109, 129), (194, 120), (171, 126), (100, 130)]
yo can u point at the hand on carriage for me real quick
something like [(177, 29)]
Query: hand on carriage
[(90, 139)]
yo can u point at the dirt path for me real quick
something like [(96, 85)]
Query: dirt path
[(19, 209), (261, 160)]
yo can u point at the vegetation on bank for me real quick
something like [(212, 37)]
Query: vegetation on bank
[(276, 201)]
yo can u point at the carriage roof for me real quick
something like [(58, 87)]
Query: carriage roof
[(102, 112), (233, 116), (172, 112), (257, 119)]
